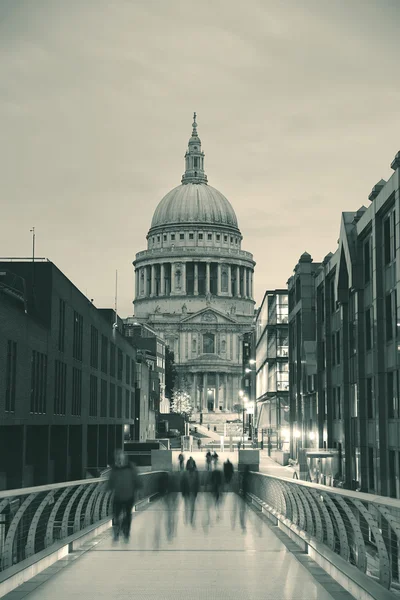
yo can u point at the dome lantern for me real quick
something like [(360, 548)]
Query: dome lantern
[(194, 159)]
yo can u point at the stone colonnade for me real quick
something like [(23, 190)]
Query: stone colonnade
[(214, 390), (194, 278)]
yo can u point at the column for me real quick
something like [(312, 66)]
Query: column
[(207, 278), (205, 392), (172, 278), (194, 391), (238, 281), (137, 280), (218, 279), (196, 279), (153, 281), (250, 283), (216, 399), (229, 280), (244, 282), (183, 278), (146, 282), (162, 280), (225, 391)]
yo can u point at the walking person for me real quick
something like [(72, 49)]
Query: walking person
[(228, 473), (215, 458), (199, 444), (124, 482), (216, 484), (181, 459), (190, 464), (208, 460)]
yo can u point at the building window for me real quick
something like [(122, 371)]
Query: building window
[(231, 240), (165, 237), (158, 238), (103, 398), (390, 395), (93, 396), (209, 236), (334, 407), (195, 162), (368, 330), (61, 326), (208, 343), (127, 369), (332, 295), (370, 397), (38, 382), (76, 408), (120, 364), (112, 359), (126, 404), (218, 236), (172, 237), (132, 373), (60, 388), (11, 371), (94, 347), (338, 347), (388, 317), (191, 236), (104, 354), (77, 343), (132, 405), (112, 400), (371, 469), (367, 261), (200, 236), (225, 238), (119, 402), (181, 236)]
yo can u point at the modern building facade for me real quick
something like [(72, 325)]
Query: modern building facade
[(194, 285), (272, 367), (67, 378), (349, 397)]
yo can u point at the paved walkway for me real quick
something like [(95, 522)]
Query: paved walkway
[(213, 559)]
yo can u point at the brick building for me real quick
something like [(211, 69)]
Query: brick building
[(67, 378)]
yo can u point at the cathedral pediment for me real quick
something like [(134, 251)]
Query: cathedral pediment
[(209, 315)]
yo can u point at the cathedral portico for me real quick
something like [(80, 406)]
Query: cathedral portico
[(194, 285)]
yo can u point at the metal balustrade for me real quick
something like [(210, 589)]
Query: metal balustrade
[(361, 528), (32, 519)]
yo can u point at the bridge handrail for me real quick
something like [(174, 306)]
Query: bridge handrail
[(363, 529), (33, 519)]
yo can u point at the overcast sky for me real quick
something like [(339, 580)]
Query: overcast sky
[(298, 113)]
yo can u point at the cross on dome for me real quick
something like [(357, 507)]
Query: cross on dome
[(194, 159)]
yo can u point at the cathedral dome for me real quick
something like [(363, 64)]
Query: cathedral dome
[(194, 203)]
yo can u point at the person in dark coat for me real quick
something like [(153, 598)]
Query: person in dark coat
[(208, 460), (181, 459), (124, 482), (228, 472)]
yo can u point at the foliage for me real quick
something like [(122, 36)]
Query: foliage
[(238, 408), (181, 404), (170, 372)]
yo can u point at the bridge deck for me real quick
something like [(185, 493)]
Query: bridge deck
[(214, 559)]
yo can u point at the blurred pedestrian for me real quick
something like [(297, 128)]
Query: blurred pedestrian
[(208, 460), (216, 485), (228, 472), (124, 482), (245, 489), (199, 444), (190, 464), (215, 458), (181, 459)]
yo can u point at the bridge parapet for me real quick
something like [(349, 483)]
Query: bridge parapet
[(35, 521), (338, 528)]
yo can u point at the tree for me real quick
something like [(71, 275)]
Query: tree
[(170, 373), (181, 404), (238, 408)]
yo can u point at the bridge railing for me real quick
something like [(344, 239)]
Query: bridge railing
[(32, 519), (363, 529)]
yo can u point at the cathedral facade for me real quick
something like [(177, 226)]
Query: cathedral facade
[(194, 285)]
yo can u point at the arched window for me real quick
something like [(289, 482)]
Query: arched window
[(223, 346), (208, 343), (194, 345)]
